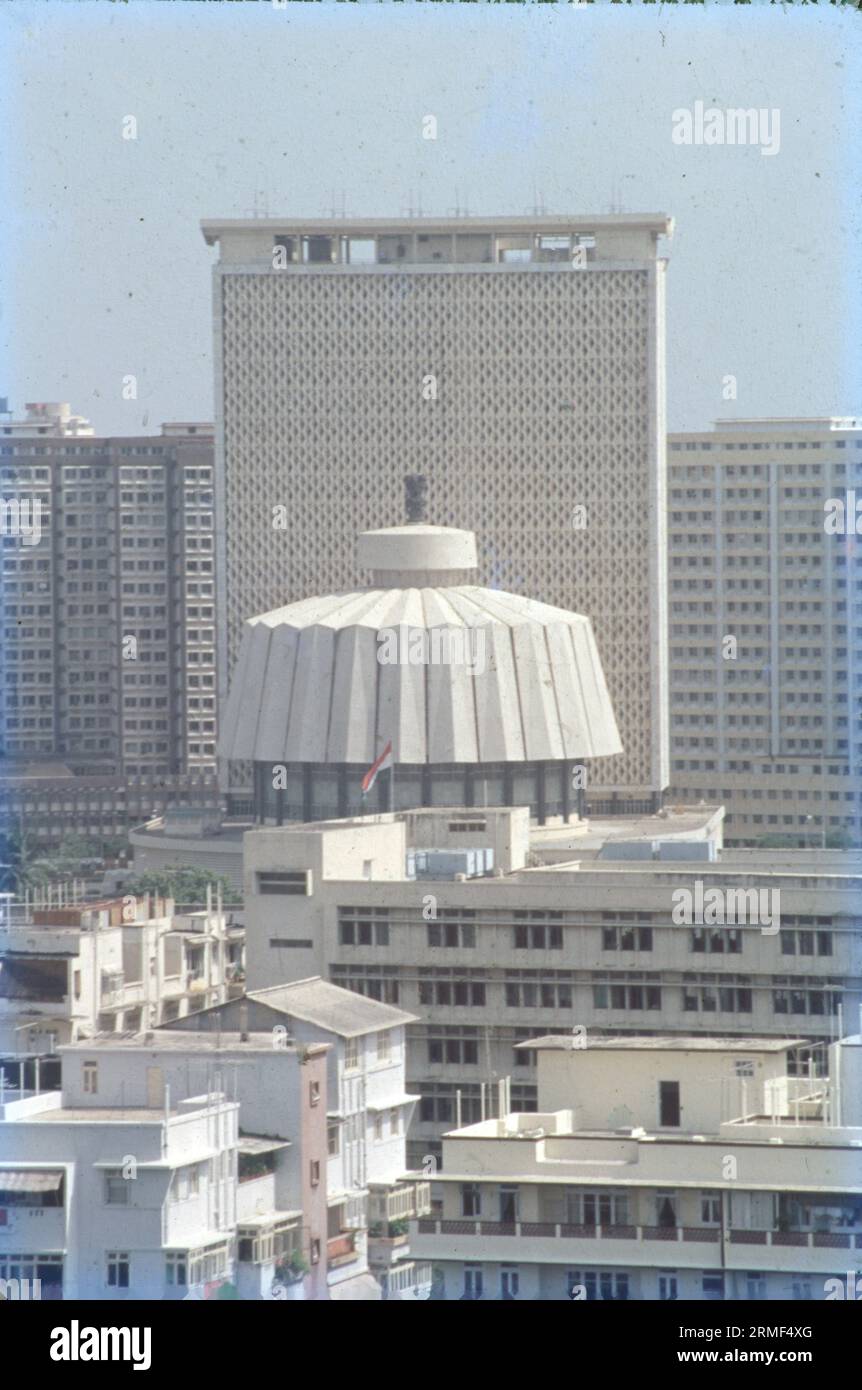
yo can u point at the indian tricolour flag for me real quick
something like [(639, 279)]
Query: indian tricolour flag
[(384, 761)]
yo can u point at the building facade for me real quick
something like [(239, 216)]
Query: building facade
[(52, 803), (370, 1195), (110, 1201), (765, 605), (159, 1186), (662, 1169), (71, 971), (107, 598), (256, 1153), (479, 353), (491, 935)]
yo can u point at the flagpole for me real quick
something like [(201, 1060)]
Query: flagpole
[(392, 787)]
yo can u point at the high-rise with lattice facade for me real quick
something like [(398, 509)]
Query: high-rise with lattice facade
[(518, 363)]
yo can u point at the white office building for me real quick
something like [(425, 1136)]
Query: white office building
[(659, 1168), (490, 933)]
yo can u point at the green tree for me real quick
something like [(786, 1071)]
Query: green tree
[(183, 883), (24, 863)]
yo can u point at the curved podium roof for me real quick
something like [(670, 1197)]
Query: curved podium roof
[(451, 673)]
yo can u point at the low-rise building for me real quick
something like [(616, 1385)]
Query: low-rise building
[(71, 971), (106, 1196), (175, 1165), (370, 1194), (658, 1168), (490, 932)]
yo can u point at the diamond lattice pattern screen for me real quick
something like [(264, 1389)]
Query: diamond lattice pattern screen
[(545, 399)]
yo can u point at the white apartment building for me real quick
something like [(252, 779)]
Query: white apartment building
[(490, 933), (369, 1193), (765, 605), (111, 1191), (478, 352), (658, 1168), (257, 1151), (120, 965)]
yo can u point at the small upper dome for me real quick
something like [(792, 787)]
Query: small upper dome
[(417, 556)]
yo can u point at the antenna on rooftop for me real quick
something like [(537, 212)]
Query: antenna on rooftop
[(412, 211), (458, 211), (617, 204), (538, 209), (260, 206), (335, 211)]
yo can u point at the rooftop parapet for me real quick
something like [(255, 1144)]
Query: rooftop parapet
[(548, 242)]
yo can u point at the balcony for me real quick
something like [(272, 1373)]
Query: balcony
[(341, 1250), (270, 1239), (129, 995), (694, 1247), (399, 1202), (112, 988), (408, 1281), (807, 1240), (387, 1242), (353, 1212)]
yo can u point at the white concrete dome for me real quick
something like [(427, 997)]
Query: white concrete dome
[(315, 682)]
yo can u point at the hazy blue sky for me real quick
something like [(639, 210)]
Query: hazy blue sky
[(104, 271)]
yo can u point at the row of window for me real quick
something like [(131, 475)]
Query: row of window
[(382, 1044), (440, 1103), (462, 936), (620, 996), (690, 446), (182, 1268), (607, 1285)]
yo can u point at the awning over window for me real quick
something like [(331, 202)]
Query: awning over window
[(392, 1102), (30, 1181), (255, 1144)]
